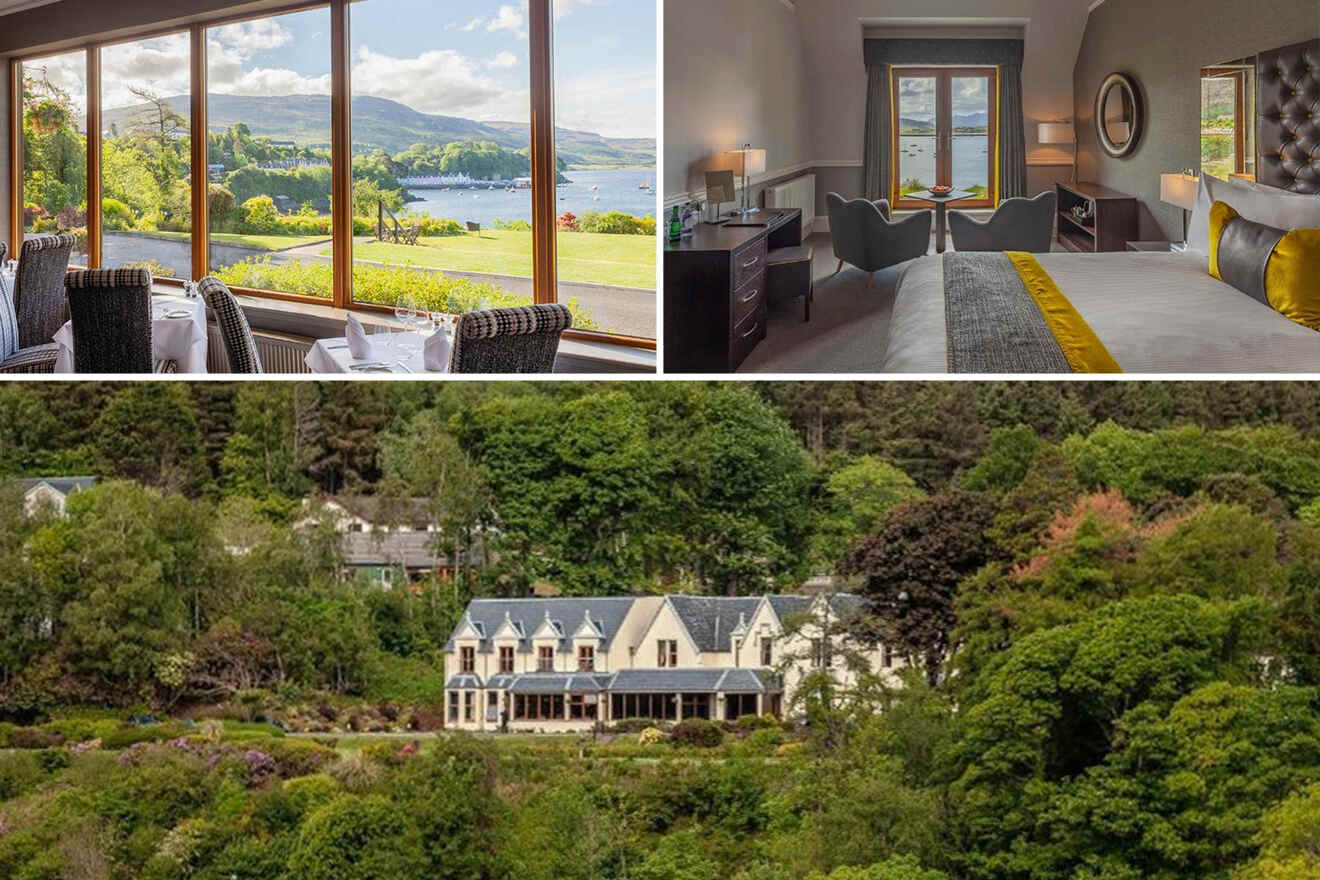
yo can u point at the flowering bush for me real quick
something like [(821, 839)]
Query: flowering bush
[(567, 222), (651, 736)]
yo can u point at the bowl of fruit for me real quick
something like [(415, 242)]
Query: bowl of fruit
[(941, 189)]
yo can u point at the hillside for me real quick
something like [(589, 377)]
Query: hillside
[(379, 123)]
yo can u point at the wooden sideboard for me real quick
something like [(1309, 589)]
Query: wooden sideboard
[(715, 298), (1113, 225)]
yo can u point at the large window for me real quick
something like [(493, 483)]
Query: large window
[(54, 145), (146, 199), (361, 152), (945, 133), (605, 111), (268, 153), (1227, 137)]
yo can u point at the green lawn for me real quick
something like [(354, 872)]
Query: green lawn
[(625, 260), (265, 242)]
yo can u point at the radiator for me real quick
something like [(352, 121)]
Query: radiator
[(800, 192), (279, 354)]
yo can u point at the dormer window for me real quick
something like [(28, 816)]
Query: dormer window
[(545, 658), (586, 658), (767, 651), (506, 659), (467, 659)]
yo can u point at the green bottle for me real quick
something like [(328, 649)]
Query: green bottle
[(675, 226)]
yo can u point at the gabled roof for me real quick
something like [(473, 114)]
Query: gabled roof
[(841, 605), (377, 509), (607, 612), (710, 619), (408, 549), (63, 485)]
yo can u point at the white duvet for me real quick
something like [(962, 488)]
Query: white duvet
[(1155, 312)]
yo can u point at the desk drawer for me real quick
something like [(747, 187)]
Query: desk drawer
[(746, 335), (748, 261), (748, 298)]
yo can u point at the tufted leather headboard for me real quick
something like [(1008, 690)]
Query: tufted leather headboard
[(1288, 128)]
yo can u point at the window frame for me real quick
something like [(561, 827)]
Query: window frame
[(1238, 75), (540, 45), (944, 77), (506, 653), (467, 659), (545, 653), (586, 658), (767, 650)]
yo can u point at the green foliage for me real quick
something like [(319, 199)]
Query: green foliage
[(351, 836), (615, 223), (896, 868), (696, 732), (1290, 840), (858, 496)]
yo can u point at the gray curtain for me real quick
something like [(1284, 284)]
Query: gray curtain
[(878, 134), (1005, 54)]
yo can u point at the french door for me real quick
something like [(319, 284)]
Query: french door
[(945, 133)]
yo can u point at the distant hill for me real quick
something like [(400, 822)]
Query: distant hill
[(379, 123), (960, 120)]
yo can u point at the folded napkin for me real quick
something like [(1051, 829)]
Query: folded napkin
[(435, 352), (358, 344)]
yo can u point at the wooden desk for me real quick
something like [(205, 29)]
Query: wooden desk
[(715, 302), (1113, 225)]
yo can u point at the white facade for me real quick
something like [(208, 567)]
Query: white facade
[(564, 664)]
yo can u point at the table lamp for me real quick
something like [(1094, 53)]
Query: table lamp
[(1180, 190), (1058, 133), (750, 162)]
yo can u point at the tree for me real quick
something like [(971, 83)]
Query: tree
[(911, 568), (1290, 840), (148, 432), (857, 496)]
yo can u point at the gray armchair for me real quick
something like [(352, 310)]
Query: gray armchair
[(1018, 225), (865, 237)]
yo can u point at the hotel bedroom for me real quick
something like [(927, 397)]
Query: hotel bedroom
[(930, 192)]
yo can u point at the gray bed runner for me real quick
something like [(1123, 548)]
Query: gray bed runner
[(993, 323)]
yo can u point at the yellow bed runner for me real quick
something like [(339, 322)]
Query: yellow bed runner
[(1083, 350)]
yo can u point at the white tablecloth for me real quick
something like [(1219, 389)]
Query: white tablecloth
[(402, 354), (180, 339)]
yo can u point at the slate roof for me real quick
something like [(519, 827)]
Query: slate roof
[(695, 680), (710, 619), (409, 549), (557, 683), (842, 604), (63, 485), (607, 612), (464, 680)]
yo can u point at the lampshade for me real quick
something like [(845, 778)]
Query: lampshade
[(1179, 190), (1054, 133), (748, 161)]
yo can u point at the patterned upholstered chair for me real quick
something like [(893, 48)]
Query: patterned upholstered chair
[(13, 359), (865, 237), (234, 327), (519, 340), (1018, 225), (39, 287), (111, 321)]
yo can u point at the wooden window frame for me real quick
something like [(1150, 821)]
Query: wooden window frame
[(944, 135), (542, 143), (586, 658), (1239, 77), (467, 659), (506, 653), (542, 653), (666, 653), (767, 650)]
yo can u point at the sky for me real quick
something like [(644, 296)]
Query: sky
[(455, 59), (917, 96)]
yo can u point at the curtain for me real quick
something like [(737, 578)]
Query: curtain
[(876, 158), (1004, 54)]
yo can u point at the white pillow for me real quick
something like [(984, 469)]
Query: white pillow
[(1254, 201)]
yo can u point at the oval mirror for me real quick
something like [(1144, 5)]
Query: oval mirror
[(1119, 116)]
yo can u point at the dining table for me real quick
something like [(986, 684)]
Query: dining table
[(397, 353), (178, 333)]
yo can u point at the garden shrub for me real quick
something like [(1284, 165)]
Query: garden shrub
[(115, 214), (34, 738), (125, 737), (615, 223), (697, 732), (297, 757), (756, 722), (260, 215), (20, 773), (356, 773), (634, 725), (409, 680), (365, 838), (651, 736), (766, 740)]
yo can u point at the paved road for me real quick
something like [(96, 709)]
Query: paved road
[(621, 309)]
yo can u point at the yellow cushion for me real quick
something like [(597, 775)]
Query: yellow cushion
[(1292, 278), (1220, 216)]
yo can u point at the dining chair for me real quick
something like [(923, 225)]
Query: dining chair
[(38, 291), (1017, 225), (240, 345), (518, 340), (111, 311), (13, 359)]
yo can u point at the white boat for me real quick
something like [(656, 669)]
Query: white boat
[(593, 187)]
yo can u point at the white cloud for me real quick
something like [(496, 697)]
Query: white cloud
[(509, 18), (247, 38), (564, 7), (612, 103), (473, 24), (503, 60), (440, 81)]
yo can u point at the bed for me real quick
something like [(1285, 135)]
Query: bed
[(1155, 312)]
